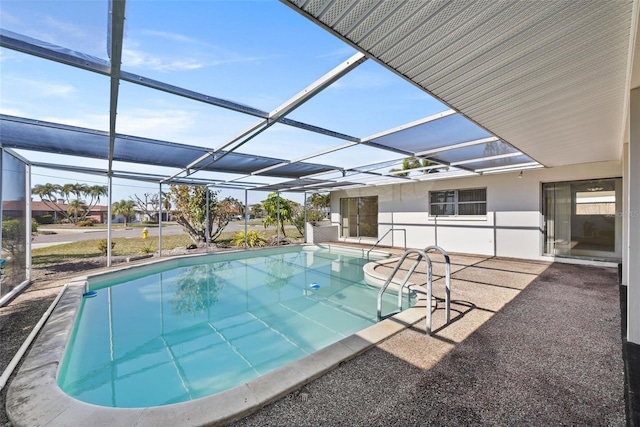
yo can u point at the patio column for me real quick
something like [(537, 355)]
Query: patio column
[(632, 216), (246, 208), (29, 217), (624, 273), (160, 220), (109, 214)]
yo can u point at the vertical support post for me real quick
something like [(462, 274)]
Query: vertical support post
[(447, 273), (435, 230), (109, 213), (624, 279), (305, 218), (358, 204), (633, 218), (206, 221), (27, 170), (278, 218), (160, 221), (429, 294), (1, 201), (246, 207)]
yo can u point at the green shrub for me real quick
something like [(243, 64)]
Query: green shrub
[(14, 236), (312, 215), (254, 239), (102, 246), (44, 219), (146, 249)]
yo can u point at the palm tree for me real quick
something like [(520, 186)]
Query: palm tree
[(166, 206), (257, 210), (49, 194), (79, 190), (126, 208), (414, 163), (65, 192), (235, 205), (320, 201), (95, 192), (407, 164), (77, 209), (426, 163)]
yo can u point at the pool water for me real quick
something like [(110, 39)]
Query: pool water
[(178, 334)]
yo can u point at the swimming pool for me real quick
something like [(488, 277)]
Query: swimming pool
[(35, 398), (168, 334)]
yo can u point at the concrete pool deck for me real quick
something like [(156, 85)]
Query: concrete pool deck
[(529, 343)]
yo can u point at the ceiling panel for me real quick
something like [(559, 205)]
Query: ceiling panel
[(546, 77)]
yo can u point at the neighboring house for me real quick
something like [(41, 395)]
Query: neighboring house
[(14, 209), (97, 213), (142, 215)]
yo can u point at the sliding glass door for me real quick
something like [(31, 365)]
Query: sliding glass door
[(582, 219), (359, 216)]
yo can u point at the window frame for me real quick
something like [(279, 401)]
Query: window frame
[(456, 203)]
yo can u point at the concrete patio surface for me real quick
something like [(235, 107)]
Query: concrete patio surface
[(529, 343)]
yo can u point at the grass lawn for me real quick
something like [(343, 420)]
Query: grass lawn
[(89, 248), (42, 228)]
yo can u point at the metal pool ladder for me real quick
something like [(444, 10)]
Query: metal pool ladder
[(422, 254)]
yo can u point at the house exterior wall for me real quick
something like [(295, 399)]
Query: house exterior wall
[(511, 228)]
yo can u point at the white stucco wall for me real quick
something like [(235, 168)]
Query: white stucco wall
[(511, 228)]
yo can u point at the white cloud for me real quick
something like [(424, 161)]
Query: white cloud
[(171, 36), (12, 111), (57, 90), (89, 121), (359, 79), (41, 88), (9, 20), (42, 26), (137, 56), (162, 124), (341, 53), (139, 59), (65, 27)]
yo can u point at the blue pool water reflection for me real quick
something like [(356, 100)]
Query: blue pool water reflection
[(178, 334)]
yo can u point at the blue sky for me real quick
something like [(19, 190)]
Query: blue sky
[(259, 53)]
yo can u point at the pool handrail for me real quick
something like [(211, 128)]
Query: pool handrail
[(385, 235), (447, 270), (421, 255)]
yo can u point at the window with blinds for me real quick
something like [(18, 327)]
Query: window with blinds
[(470, 202)]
